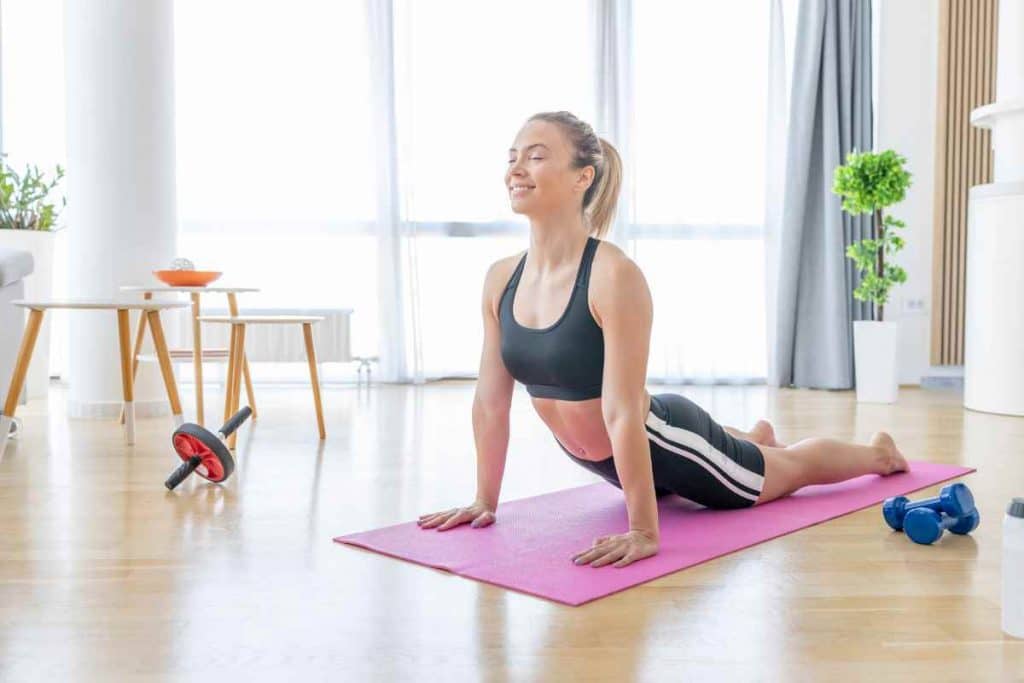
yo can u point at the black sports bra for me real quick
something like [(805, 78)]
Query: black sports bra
[(563, 361)]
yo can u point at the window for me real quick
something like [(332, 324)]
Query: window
[(272, 115), (470, 74), (701, 78)]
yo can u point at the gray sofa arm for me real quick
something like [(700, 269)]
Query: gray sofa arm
[(15, 265)]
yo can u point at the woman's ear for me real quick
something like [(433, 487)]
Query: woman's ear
[(584, 178)]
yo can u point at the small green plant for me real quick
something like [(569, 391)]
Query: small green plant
[(23, 199), (868, 182)]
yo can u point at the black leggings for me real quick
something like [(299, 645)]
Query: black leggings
[(693, 457)]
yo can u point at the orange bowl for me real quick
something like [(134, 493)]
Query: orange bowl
[(186, 278)]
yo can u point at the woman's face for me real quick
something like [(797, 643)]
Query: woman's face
[(540, 178)]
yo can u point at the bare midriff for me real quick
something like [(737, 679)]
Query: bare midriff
[(578, 425)]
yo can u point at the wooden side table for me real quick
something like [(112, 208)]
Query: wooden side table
[(236, 358), (198, 354), (150, 312)]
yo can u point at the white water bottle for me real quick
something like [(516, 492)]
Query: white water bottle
[(1013, 569)]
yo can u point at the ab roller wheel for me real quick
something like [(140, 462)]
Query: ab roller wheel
[(204, 452)]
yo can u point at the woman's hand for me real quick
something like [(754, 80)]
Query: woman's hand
[(622, 549), (477, 515)]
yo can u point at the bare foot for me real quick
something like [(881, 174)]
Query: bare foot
[(764, 434), (892, 460)]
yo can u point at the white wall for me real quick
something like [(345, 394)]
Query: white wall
[(906, 75)]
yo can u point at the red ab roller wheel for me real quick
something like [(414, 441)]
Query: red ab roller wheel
[(204, 452)]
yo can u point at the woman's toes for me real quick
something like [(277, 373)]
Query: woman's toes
[(764, 433)]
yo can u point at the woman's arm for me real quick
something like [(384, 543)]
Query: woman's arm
[(622, 302), (493, 397), (491, 404)]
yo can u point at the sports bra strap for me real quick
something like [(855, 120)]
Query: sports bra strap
[(583, 277), (516, 274)]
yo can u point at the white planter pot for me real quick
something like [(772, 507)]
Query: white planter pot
[(38, 285), (875, 347)]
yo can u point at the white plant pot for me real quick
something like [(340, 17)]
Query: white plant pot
[(875, 347), (38, 285)]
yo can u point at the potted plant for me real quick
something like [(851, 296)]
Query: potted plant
[(869, 182), (28, 221)]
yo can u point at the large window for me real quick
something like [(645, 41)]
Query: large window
[(700, 91), (469, 75), (701, 78), (277, 154), (276, 175), (273, 111)]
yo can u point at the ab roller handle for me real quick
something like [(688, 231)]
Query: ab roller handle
[(205, 452), (179, 475), (235, 422)]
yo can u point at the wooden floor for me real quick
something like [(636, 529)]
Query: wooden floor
[(106, 576)]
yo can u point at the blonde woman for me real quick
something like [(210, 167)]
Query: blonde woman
[(570, 318)]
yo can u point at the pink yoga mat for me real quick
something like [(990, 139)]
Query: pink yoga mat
[(530, 547)]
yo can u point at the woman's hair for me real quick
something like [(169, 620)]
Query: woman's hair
[(601, 197)]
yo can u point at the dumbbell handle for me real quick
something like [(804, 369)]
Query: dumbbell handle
[(935, 504), (926, 526), (931, 503), (181, 473), (235, 422)]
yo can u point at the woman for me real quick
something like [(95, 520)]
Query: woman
[(571, 319)]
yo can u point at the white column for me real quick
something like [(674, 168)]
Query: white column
[(994, 334), (119, 70)]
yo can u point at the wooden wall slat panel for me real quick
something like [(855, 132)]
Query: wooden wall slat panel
[(963, 158)]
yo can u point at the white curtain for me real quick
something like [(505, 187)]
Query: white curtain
[(614, 33), (401, 355), (782, 40)]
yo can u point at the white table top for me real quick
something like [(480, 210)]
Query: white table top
[(99, 304), (199, 290), (260, 319)]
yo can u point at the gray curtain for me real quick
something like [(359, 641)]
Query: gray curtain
[(829, 116)]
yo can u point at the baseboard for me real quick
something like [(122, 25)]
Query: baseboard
[(111, 410), (944, 377)]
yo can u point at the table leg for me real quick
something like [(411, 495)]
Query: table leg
[(166, 369), (314, 376), (197, 359), (28, 343), (236, 380), (124, 337), (140, 335), (230, 373), (233, 310)]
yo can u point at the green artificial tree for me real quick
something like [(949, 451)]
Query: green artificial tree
[(23, 204), (868, 183)]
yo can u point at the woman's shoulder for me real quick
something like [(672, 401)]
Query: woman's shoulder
[(610, 261), (614, 275), (500, 272)]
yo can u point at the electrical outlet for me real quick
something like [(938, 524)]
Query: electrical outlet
[(913, 306)]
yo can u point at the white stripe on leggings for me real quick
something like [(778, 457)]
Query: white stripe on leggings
[(696, 459), (682, 437)]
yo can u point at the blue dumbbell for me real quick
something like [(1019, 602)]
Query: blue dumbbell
[(925, 526), (955, 500)]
